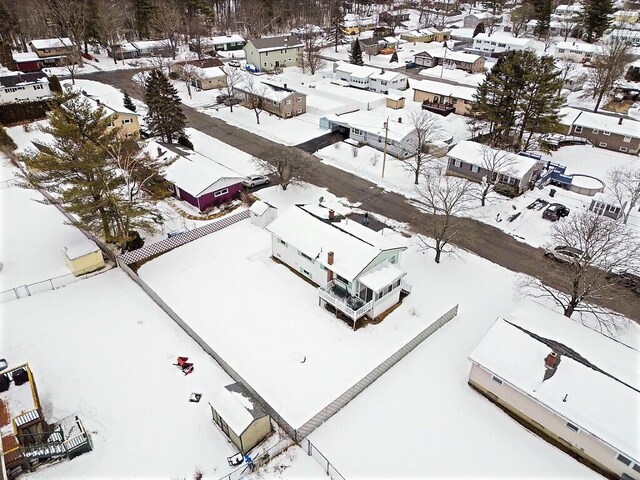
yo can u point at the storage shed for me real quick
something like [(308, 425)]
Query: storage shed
[(395, 102), (240, 418), (83, 257), (262, 214)]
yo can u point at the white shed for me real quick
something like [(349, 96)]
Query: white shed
[(262, 214)]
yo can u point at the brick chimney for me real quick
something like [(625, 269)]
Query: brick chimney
[(332, 216), (330, 256), (620, 121), (551, 360), (159, 152)]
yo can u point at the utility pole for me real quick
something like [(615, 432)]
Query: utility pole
[(384, 151)]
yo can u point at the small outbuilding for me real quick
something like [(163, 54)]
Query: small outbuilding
[(395, 101), (240, 418), (607, 205), (262, 214), (83, 257)]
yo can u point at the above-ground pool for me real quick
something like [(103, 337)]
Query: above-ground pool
[(586, 185)]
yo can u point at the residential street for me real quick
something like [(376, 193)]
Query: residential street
[(479, 238)]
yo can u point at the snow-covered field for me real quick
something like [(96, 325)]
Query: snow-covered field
[(33, 235)]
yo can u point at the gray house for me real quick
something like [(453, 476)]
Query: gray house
[(475, 162), (607, 205), (273, 52)]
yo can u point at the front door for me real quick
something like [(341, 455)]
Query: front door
[(277, 63)]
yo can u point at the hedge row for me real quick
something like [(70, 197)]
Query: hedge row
[(15, 113)]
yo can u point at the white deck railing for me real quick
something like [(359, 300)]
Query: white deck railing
[(333, 300)]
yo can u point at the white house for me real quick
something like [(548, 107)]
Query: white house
[(369, 78), (356, 268), (574, 51), (567, 383), (24, 87), (574, 10), (476, 162), (500, 42), (369, 128)]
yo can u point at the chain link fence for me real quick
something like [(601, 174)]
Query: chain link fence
[(47, 285), (311, 450)]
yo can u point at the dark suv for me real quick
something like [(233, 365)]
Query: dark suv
[(555, 211)]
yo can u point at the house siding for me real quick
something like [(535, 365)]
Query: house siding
[(268, 61), (25, 93), (464, 170), (209, 200), (289, 255), (398, 149), (85, 264), (613, 141), (31, 66), (582, 443), (259, 429)]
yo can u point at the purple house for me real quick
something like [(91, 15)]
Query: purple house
[(202, 182)]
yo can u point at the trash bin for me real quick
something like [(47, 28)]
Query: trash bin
[(552, 192)]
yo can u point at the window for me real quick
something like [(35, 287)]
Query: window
[(38, 87), (356, 131), (626, 139), (602, 144), (288, 102), (475, 169), (571, 426), (457, 163), (606, 133), (577, 129), (305, 256), (496, 379), (623, 459), (306, 272), (282, 242), (287, 114), (224, 191), (595, 130), (624, 149), (126, 120), (394, 258), (299, 99), (299, 111), (636, 467)]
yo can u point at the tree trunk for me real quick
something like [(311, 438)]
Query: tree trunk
[(416, 175), (569, 309), (600, 95), (438, 252), (257, 117), (284, 185)]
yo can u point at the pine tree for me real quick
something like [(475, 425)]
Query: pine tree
[(479, 29), (164, 118), (336, 29), (54, 84), (596, 18), (143, 11), (6, 142), (355, 57), (542, 13), (519, 95), (128, 103)]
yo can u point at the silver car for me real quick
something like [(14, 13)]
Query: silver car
[(566, 254), (255, 181)]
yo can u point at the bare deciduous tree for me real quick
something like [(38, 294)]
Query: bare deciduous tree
[(71, 18), (255, 92), (428, 128), (234, 78), (624, 184), (446, 198), (608, 66), (110, 17), (166, 20), (310, 58), (497, 166), (607, 246), (285, 164), (72, 64)]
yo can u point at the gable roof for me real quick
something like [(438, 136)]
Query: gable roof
[(80, 249), (236, 407), (449, 55), (502, 38), (448, 90), (473, 153), (354, 245), (596, 385), (22, 78), (43, 43), (266, 44), (628, 127), (25, 57)]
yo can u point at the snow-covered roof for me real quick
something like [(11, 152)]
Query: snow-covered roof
[(222, 39), (373, 123), (456, 75), (80, 249), (481, 15), (13, 79), (568, 115), (192, 171), (576, 47), (352, 20), (259, 208), (25, 57), (449, 55), (381, 277), (475, 153), (358, 71), (448, 90), (263, 87), (607, 123), (387, 75), (606, 197), (601, 398), (266, 44), (354, 245), (151, 44), (236, 408), (45, 43), (209, 72), (501, 37), (126, 47)]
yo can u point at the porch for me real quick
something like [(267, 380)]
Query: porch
[(336, 294), (443, 109)]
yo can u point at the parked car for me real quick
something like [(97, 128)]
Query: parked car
[(222, 97), (566, 254), (255, 180), (232, 101), (409, 65), (555, 211), (630, 280), (234, 63)]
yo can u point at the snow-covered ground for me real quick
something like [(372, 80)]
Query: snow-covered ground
[(33, 235), (434, 424)]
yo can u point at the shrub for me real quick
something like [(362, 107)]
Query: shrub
[(6, 140), (185, 142), (135, 241), (173, 75)]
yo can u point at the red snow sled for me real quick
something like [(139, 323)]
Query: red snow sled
[(184, 365)]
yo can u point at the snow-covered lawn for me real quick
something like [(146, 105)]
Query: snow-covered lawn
[(33, 235), (263, 319), (434, 424)]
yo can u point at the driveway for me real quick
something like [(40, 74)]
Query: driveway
[(479, 238)]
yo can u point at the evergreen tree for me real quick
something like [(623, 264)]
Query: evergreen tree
[(164, 118), (143, 11), (6, 57), (54, 84), (495, 6), (355, 57), (394, 57), (128, 103), (479, 29), (519, 95), (6, 142), (596, 18), (336, 28), (542, 13)]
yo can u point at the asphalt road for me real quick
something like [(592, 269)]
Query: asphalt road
[(477, 237)]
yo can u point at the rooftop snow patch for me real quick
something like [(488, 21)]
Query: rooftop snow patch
[(46, 43), (597, 390), (236, 408), (474, 153), (381, 277), (438, 88), (608, 123), (80, 249)]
